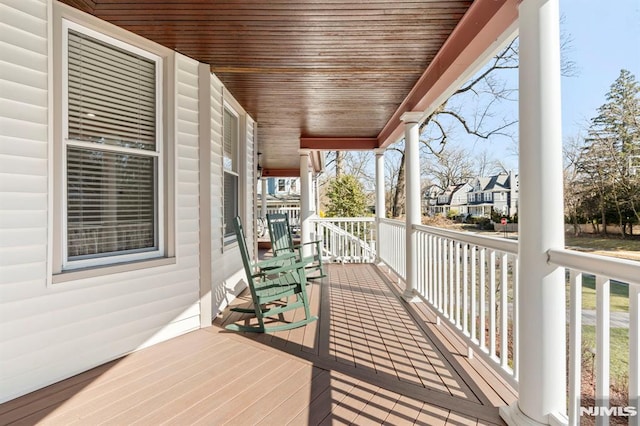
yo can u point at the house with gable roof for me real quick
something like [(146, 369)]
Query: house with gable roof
[(494, 193)]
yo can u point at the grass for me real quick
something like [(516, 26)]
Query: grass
[(612, 243), (619, 295), (619, 352)]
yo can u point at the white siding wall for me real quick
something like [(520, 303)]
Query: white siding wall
[(50, 332), (227, 275), (250, 182)]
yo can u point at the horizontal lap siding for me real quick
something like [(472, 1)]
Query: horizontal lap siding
[(251, 181), (23, 147), (227, 278), (48, 333), (216, 168)]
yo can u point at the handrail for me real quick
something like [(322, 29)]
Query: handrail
[(617, 269), (604, 269), (493, 243), (346, 239), (471, 282)]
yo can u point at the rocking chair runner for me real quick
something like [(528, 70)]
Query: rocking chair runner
[(281, 278), (282, 242)]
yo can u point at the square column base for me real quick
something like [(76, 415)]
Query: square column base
[(411, 297)]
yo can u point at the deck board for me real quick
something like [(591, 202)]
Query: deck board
[(370, 358)]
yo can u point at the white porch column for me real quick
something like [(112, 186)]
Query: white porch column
[(412, 198), (306, 201), (542, 389), (263, 198), (380, 196)]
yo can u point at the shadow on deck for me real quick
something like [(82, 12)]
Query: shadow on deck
[(384, 346), (370, 359)]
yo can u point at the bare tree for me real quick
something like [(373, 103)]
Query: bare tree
[(572, 152), (472, 109), (450, 167), (485, 90)]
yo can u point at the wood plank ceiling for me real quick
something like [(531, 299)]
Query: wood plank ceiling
[(314, 68)]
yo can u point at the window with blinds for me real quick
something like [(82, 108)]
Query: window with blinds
[(112, 151), (230, 167)]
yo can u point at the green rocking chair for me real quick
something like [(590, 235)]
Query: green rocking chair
[(270, 281), (282, 243)]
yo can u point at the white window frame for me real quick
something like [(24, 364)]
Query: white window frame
[(231, 238), (158, 153)]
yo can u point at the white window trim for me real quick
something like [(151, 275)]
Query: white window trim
[(109, 259), (231, 238)]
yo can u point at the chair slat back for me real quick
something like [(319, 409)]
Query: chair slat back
[(281, 240)]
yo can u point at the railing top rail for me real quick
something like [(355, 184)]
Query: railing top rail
[(494, 243), (282, 208), (624, 270), (394, 222), (344, 219)]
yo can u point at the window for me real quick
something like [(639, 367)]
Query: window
[(281, 185), (231, 174), (112, 151)]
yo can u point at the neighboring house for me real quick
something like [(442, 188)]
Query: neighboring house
[(282, 195), (283, 186), (478, 197), (452, 200), (497, 193), (430, 199)]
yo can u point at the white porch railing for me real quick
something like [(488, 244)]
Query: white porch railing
[(471, 281), (292, 212), (391, 246), (346, 239), (605, 270)]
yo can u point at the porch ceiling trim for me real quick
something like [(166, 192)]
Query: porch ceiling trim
[(338, 144), (485, 22), (280, 172)]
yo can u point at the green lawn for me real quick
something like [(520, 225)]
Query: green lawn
[(619, 366), (619, 295), (619, 292), (601, 243)]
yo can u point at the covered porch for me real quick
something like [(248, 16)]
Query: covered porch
[(454, 328), (371, 358)]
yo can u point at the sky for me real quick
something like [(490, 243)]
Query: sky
[(605, 38)]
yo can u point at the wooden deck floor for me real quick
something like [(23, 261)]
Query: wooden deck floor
[(370, 359)]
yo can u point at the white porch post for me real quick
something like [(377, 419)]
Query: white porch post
[(306, 201), (542, 388), (380, 197), (263, 199), (412, 198)]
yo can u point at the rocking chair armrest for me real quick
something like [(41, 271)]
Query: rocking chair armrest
[(285, 268), (297, 246), (274, 260), (287, 252)]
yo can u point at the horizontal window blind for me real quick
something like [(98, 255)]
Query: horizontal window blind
[(230, 202), (230, 166), (111, 94), (110, 202), (112, 192), (230, 160)]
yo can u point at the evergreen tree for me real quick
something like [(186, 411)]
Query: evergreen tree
[(346, 197), (610, 164)]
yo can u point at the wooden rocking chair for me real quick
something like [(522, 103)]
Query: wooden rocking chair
[(282, 243), (273, 280)]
